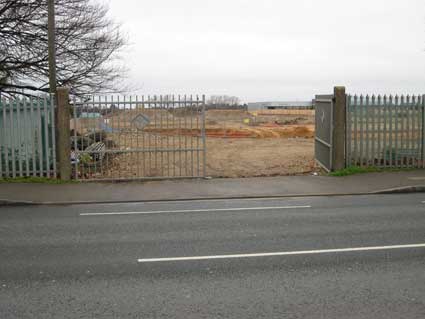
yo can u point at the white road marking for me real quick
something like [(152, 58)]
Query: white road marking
[(177, 201), (194, 210), (417, 178), (287, 253)]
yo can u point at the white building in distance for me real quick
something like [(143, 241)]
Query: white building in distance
[(279, 105)]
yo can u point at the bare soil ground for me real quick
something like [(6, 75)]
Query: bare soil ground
[(259, 157), (239, 144), (277, 142)]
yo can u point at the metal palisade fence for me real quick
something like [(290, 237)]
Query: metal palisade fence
[(27, 137), (385, 131), (147, 137)]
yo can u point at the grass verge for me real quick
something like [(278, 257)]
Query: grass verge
[(353, 170), (35, 180)]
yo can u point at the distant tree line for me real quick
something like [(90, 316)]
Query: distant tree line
[(223, 101)]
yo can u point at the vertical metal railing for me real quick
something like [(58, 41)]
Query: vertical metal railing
[(422, 106), (2, 139), (386, 131), (27, 137), (204, 138), (127, 138)]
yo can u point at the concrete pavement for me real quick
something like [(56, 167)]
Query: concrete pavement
[(214, 188), (82, 261)]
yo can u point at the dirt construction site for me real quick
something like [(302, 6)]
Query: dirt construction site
[(263, 143), (239, 143)]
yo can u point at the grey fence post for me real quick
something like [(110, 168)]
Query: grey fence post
[(423, 131), (339, 125), (63, 143)]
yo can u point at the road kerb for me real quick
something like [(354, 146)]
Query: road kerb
[(396, 190)]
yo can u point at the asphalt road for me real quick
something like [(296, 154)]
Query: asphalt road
[(274, 258)]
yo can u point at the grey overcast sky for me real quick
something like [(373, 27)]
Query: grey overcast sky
[(274, 49)]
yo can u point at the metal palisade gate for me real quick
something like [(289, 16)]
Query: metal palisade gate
[(27, 137), (148, 137), (385, 131), (323, 148)]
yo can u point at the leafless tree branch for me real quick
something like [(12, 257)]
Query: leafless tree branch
[(88, 47)]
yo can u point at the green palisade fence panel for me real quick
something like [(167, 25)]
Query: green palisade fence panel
[(27, 142), (386, 131)]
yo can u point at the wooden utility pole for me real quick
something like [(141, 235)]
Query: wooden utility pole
[(52, 46)]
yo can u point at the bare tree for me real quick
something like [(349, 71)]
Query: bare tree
[(88, 44)]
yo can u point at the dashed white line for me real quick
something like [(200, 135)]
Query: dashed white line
[(286, 253), (195, 210)]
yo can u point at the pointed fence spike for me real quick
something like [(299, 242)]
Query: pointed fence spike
[(355, 100)]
